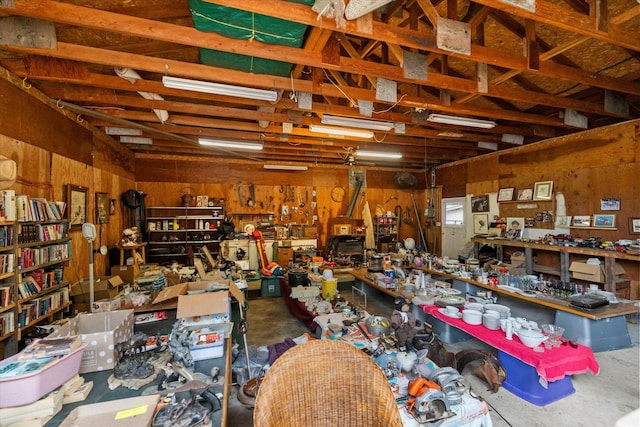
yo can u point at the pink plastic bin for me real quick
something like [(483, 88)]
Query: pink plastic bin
[(28, 388)]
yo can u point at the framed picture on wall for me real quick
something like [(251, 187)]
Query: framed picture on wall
[(112, 206), (563, 221), (480, 223), (543, 190), (480, 203), (102, 208), (515, 227), (634, 225), (609, 204), (581, 221), (77, 201), (525, 194), (602, 220), (506, 194)]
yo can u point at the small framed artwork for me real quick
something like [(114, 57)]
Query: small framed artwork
[(610, 204), (112, 206), (77, 202), (602, 220), (515, 227), (563, 221), (202, 201), (634, 225), (581, 221), (506, 194), (543, 190), (525, 194), (102, 212), (480, 203), (480, 223)]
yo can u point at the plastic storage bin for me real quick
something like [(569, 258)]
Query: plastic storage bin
[(25, 389), (522, 380), (270, 287)]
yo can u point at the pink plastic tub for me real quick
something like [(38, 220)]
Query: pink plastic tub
[(28, 388)]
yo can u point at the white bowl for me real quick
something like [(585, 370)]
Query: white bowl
[(530, 338), (502, 309), (491, 320), (472, 317), (474, 306)]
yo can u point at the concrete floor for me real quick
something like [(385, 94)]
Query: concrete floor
[(598, 400)]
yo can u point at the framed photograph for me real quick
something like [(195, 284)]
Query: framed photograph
[(515, 227), (480, 223), (506, 194), (609, 204), (581, 221), (563, 221), (77, 202), (634, 225), (543, 190), (112, 206), (602, 220), (480, 204), (525, 194), (102, 212)]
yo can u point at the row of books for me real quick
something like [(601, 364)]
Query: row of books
[(39, 307), (6, 236), (6, 294), (31, 233), (7, 323), (7, 263), (30, 257), (46, 279), (28, 287), (38, 209)]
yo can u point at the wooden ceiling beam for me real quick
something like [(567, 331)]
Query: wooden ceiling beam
[(92, 18)]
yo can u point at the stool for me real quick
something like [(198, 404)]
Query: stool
[(133, 249)]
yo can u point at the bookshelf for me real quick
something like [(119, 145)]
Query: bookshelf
[(8, 315)]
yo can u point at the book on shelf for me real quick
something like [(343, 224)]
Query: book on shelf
[(50, 347), (15, 368), (8, 205)]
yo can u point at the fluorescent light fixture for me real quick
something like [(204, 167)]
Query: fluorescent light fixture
[(219, 89), (136, 140), (461, 121), (224, 143), (356, 123), (110, 130), (488, 145), (378, 154), (513, 139), (341, 131), (286, 167)]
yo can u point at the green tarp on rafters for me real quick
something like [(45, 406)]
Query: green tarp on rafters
[(239, 24)]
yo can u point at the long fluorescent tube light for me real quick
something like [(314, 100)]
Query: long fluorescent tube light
[(461, 121), (356, 123), (286, 167), (488, 145), (341, 131), (223, 143), (111, 130), (135, 140), (219, 89), (378, 154)]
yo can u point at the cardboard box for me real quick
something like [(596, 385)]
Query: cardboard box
[(101, 332), (111, 304), (131, 412), (128, 273), (592, 272), (105, 287)]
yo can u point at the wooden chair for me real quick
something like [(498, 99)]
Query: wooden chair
[(325, 383)]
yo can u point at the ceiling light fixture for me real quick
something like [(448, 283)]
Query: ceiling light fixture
[(219, 89), (111, 130), (224, 143), (136, 140), (356, 123), (461, 121), (488, 145), (379, 154), (341, 131), (286, 167)]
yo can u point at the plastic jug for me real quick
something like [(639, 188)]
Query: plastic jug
[(329, 289)]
